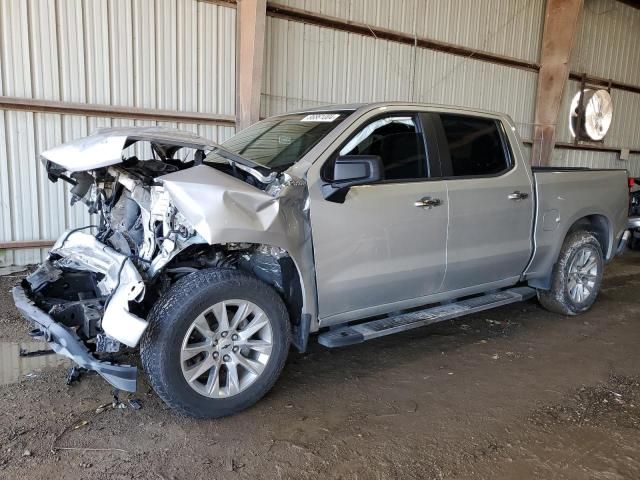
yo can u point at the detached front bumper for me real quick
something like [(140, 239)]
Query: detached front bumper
[(65, 342)]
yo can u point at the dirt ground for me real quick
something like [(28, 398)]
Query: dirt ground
[(513, 393)]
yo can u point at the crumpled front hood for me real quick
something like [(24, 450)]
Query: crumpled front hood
[(220, 206), (104, 148)]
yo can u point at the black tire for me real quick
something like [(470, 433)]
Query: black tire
[(558, 299), (173, 314)]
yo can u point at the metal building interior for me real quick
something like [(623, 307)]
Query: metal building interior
[(499, 396)]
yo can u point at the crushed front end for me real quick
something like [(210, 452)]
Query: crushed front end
[(89, 298), (78, 301), (187, 205)]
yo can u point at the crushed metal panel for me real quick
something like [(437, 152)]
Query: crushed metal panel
[(104, 148), (222, 208)]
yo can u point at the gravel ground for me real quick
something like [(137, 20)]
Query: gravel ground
[(515, 392)]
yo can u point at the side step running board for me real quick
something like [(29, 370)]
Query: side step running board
[(351, 334)]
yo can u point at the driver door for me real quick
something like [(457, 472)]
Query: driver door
[(381, 248)]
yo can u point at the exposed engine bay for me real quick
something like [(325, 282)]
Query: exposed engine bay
[(155, 222)]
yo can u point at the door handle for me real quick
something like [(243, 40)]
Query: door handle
[(427, 202), (517, 195)]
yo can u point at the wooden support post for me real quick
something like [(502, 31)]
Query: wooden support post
[(560, 25), (250, 26)]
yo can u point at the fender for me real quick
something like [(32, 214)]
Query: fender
[(224, 209)]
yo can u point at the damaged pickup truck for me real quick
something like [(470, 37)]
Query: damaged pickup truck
[(352, 222)]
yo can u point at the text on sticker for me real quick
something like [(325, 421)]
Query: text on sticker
[(320, 117)]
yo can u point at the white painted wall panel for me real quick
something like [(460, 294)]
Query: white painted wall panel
[(5, 193), (22, 181), (71, 52), (121, 49), (45, 78), (15, 42)]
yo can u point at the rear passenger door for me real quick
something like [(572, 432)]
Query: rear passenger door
[(491, 204)]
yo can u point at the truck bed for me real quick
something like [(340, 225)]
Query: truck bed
[(564, 195)]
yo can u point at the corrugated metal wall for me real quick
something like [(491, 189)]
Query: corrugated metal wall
[(594, 159), (505, 27), (607, 41), (307, 65), (606, 46), (159, 54), (624, 131)]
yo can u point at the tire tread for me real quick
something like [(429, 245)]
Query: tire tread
[(169, 307), (555, 299)]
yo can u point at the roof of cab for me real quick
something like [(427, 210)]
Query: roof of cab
[(352, 107)]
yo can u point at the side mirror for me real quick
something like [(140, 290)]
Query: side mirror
[(352, 170)]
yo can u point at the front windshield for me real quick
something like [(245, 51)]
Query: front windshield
[(279, 142)]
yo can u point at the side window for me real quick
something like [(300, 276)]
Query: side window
[(475, 146), (396, 140)]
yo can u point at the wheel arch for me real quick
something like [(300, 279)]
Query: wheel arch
[(275, 267), (598, 224)]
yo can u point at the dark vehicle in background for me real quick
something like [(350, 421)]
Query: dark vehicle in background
[(634, 213)]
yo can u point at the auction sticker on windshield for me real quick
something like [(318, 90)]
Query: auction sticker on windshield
[(321, 117)]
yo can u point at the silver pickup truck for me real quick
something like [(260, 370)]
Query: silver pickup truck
[(350, 222)]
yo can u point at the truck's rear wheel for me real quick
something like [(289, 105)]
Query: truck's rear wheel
[(577, 275), (216, 343)]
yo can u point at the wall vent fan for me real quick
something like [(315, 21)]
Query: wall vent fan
[(590, 114)]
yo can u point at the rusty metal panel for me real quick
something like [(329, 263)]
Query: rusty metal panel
[(506, 27), (607, 41)]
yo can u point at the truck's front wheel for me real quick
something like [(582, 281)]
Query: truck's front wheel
[(577, 275), (216, 343)]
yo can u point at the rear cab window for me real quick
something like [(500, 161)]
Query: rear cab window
[(474, 147)]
